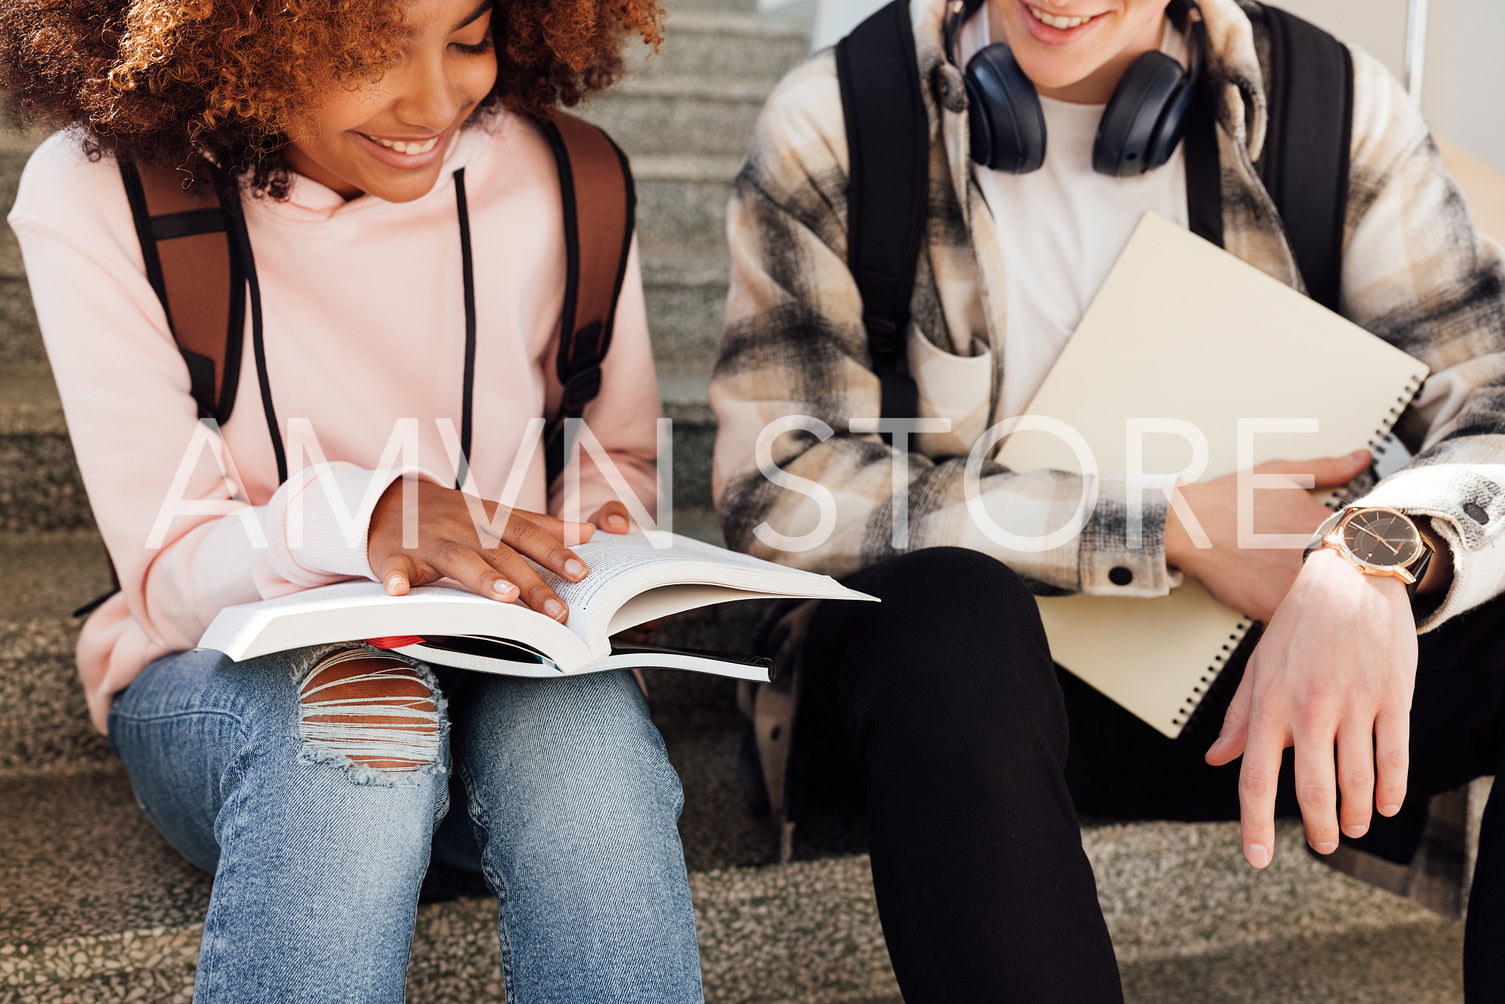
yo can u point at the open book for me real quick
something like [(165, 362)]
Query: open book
[(631, 581), (1192, 342)]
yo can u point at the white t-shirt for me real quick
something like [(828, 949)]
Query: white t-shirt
[(1063, 226)]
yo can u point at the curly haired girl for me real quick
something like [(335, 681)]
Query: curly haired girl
[(317, 784)]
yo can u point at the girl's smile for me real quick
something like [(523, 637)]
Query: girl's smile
[(387, 137), (406, 154)]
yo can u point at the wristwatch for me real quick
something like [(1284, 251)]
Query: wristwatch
[(1377, 541)]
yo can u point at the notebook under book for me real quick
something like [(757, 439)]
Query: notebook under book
[(1182, 330)]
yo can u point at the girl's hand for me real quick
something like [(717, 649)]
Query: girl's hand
[(479, 544), (612, 517)]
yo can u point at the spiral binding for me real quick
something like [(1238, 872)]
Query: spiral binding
[(1336, 500), (1376, 442), (1210, 675)]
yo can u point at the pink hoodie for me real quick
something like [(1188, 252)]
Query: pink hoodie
[(364, 332)]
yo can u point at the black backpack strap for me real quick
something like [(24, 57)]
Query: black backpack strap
[(888, 150), (197, 275), (1305, 160), (595, 183)]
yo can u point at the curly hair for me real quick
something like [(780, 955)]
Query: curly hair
[(193, 83)]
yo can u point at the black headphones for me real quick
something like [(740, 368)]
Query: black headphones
[(1140, 127)]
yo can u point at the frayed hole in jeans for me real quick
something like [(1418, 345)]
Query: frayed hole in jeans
[(370, 710)]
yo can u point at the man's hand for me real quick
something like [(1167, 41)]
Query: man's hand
[(1253, 581), (1333, 676)]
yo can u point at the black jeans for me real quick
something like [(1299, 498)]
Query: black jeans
[(945, 698), (946, 702)]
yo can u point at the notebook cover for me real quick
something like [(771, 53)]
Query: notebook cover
[(1182, 330)]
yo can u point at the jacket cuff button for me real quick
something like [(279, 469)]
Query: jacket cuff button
[(1476, 512), (1121, 576)]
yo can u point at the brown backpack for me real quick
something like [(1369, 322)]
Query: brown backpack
[(199, 262)]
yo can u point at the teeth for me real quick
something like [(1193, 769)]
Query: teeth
[(1057, 22), (403, 146)]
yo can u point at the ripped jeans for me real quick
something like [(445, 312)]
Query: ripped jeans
[(318, 829)]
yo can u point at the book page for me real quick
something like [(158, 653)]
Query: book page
[(631, 581), (610, 557)]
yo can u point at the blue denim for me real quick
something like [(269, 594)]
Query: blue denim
[(569, 811)]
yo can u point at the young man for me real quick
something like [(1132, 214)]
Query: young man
[(945, 697)]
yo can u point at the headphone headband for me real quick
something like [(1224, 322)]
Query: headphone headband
[(1141, 126)]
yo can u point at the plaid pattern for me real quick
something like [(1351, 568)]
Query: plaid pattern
[(1416, 273)]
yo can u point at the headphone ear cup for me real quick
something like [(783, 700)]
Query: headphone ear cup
[(1003, 112), (1145, 118)]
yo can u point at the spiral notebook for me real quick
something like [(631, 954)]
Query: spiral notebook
[(1183, 332)]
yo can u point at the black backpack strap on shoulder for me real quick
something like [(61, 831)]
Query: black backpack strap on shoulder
[(595, 184), (196, 273), (1305, 161), (1204, 182), (888, 150)]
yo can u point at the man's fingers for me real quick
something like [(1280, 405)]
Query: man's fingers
[(1355, 749), (1258, 776), (1392, 760), (1326, 472), (1317, 790), (1230, 742)]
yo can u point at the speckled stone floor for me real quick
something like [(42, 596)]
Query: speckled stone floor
[(99, 908)]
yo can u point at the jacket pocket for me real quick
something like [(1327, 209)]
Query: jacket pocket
[(953, 387)]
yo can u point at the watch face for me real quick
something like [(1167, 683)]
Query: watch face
[(1381, 538)]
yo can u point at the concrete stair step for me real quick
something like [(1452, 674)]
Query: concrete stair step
[(677, 7), (682, 204), (40, 487), (724, 44), (41, 490), (1404, 963), (686, 306), (680, 115), (102, 909), (1400, 964)]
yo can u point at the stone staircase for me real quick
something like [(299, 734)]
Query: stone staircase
[(97, 908)]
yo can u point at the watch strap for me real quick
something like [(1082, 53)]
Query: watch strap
[(1419, 570), (1320, 534)]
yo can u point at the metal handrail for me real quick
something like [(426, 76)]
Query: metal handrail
[(1416, 47)]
